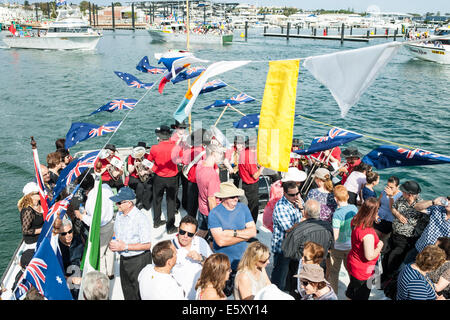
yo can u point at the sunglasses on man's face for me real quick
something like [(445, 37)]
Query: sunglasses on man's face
[(305, 283), (183, 232), (65, 233), (293, 194)]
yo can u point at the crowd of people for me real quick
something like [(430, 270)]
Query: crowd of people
[(324, 214)]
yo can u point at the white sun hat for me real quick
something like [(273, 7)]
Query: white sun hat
[(29, 188), (294, 174)]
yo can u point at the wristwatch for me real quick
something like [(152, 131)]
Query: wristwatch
[(234, 233)]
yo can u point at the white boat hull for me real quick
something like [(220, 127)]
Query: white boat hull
[(159, 35), (430, 52), (62, 42)]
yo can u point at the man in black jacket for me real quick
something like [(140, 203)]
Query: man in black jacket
[(311, 229)]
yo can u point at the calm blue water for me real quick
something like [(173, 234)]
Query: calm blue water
[(44, 91)]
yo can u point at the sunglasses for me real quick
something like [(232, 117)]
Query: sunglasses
[(293, 194), (264, 261), (305, 283), (183, 232), (65, 233), (122, 202)]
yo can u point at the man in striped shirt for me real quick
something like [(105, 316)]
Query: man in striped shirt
[(286, 215)]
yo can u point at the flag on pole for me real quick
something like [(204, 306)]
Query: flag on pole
[(212, 86), (238, 99), (73, 170), (335, 137), (44, 272), (40, 182), (191, 95), (347, 74), (91, 256), (81, 131), (277, 115), (189, 73), (145, 67), (132, 81), (117, 104), (247, 122), (387, 156), (167, 77)]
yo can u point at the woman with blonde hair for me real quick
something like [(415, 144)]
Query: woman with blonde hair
[(251, 273), (215, 273), (323, 194), (31, 213)]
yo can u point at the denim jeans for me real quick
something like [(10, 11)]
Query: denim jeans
[(280, 270)]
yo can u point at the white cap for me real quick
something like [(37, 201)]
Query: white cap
[(294, 174), (29, 188), (271, 292)]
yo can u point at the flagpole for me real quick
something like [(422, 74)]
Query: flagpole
[(225, 109), (187, 48)]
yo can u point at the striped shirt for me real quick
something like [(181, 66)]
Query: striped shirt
[(412, 285), (437, 227), (285, 215)]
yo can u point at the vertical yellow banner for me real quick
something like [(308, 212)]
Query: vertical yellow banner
[(276, 122)]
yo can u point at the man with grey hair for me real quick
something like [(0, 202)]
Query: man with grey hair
[(310, 229), (95, 286)]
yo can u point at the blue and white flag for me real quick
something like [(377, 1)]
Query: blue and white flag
[(334, 138), (387, 156), (189, 73), (238, 99), (61, 3), (117, 104), (132, 81), (144, 66), (212, 86), (80, 131), (247, 122), (73, 170), (45, 274)]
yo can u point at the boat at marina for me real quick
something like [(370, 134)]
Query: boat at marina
[(173, 31), (68, 32), (436, 50)]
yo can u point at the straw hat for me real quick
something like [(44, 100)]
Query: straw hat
[(311, 272), (294, 174), (228, 189)]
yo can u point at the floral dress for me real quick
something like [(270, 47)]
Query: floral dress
[(327, 203)]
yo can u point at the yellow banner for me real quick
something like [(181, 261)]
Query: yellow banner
[(276, 122)]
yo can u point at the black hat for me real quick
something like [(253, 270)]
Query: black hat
[(352, 152), (163, 132), (411, 187), (177, 124), (141, 144), (198, 138), (111, 147)]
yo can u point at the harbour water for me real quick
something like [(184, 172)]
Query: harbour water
[(44, 91)]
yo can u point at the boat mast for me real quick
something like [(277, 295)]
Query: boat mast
[(188, 24)]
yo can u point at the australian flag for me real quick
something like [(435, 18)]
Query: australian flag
[(212, 86), (189, 73), (132, 81), (167, 77), (239, 99), (144, 66), (387, 156), (44, 272), (117, 104), (80, 131), (247, 122), (335, 137), (72, 171)]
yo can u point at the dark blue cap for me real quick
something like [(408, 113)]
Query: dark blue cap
[(125, 193)]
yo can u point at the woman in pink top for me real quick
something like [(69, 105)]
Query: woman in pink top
[(366, 247)]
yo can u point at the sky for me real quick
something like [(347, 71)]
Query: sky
[(403, 6)]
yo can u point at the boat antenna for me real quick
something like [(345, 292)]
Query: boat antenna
[(187, 48)]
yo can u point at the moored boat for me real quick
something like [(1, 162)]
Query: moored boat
[(435, 50), (68, 32)]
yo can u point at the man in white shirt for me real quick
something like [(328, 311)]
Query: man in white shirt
[(155, 280), (90, 186), (192, 251)]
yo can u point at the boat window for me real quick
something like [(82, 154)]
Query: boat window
[(445, 41)]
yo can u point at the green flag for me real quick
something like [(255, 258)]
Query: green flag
[(92, 249)]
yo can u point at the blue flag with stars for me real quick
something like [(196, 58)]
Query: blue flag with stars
[(132, 81), (80, 131), (117, 104), (144, 66)]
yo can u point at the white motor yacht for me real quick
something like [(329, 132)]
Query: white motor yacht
[(68, 32), (435, 50)]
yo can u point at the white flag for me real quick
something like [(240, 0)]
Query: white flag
[(347, 74)]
